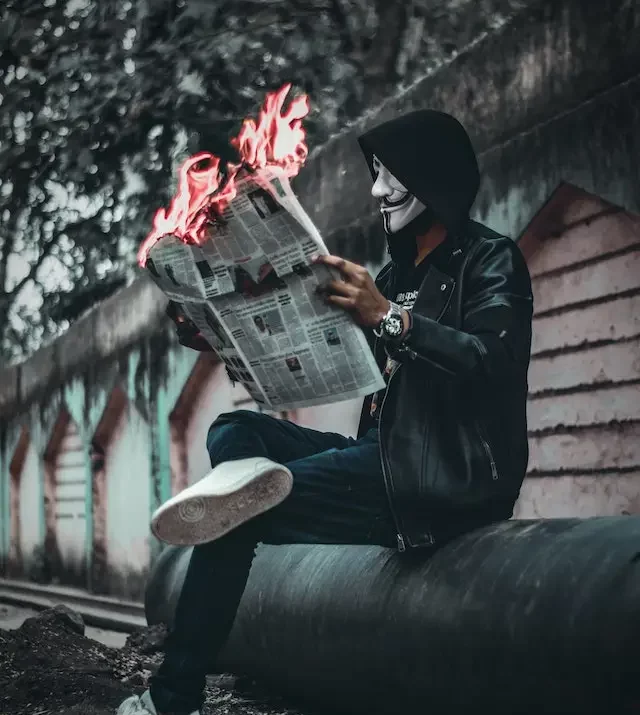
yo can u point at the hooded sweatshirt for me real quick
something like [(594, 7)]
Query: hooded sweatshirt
[(431, 154)]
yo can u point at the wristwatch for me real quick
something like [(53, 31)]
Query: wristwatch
[(392, 325)]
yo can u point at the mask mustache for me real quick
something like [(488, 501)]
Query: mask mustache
[(388, 203)]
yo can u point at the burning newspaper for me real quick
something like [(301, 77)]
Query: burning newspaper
[(235, 253)]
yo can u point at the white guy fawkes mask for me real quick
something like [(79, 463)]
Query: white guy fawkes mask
[(397, 206)]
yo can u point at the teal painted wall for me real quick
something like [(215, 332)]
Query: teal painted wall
[(151, 384)]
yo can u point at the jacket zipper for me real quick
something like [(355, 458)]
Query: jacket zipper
[(487, 449), (399, 535), (402, 546)]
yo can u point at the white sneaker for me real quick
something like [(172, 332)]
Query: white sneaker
[(142, 705), (232, 493)]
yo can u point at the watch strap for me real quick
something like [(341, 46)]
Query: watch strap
[(394, 311), (407, 335)]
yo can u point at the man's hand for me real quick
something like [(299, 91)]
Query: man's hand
[(356, 292), (188, 333)]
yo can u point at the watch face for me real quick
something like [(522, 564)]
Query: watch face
[(393, 326)]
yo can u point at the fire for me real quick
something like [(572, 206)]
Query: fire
[(198, 187), (277, 140)]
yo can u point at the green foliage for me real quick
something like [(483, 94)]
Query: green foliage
[(100, 100)]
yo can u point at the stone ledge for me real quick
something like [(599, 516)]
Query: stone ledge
[(507, 90), (123, 319), (578, 148), (549, 59)]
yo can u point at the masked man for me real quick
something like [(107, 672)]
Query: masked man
[(442, 450)]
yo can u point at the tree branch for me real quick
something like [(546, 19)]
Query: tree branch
[(8, 296), (386, 45)]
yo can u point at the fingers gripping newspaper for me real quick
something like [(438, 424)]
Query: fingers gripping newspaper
[(250, 288)]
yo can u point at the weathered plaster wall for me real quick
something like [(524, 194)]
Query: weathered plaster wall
[(89, 350), (342, 417), (550, 98), (584, 379), (580, 496), (206, 394), (30, 500), (65, 486), (128, 478), (150, 418), (553, 96), (135, 476)]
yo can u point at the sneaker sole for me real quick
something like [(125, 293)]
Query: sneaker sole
[(197, 520)]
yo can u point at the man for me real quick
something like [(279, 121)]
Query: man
[(441, 451)]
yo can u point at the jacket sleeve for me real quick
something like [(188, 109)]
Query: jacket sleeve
[(497, 311)]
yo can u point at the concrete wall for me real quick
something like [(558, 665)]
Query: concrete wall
[(553, 96), (26, 498), (206, 394), (80, 519), (85, 465), (65, 485), (584, 379), (128, 478), (552, 103)]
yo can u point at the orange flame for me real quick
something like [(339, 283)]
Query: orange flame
[(277, 140)]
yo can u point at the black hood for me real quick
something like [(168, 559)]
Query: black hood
[(431, 154)]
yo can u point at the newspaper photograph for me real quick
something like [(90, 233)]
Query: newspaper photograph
[(250, 288)]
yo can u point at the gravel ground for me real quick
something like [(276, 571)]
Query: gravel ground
[(12, 617), (50, 666)]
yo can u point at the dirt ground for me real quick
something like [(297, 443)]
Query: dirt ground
[(48, 666)]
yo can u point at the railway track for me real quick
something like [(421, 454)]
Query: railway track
[(99, 611)]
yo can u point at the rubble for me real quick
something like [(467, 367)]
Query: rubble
[(49, 667)]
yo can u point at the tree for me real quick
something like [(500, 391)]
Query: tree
[(100, 101)]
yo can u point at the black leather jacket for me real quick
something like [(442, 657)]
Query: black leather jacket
[(453, 426)]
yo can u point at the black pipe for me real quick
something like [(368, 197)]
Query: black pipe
[(519, 617)]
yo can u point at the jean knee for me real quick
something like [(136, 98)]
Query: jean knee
[(237, 417), (226, 424)]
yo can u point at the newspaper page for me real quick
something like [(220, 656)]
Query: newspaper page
[(250, 288)]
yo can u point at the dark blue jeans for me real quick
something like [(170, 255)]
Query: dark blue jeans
[(338, 497)]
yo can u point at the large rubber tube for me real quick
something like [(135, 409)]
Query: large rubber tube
[(525, 616)]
